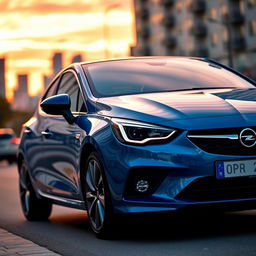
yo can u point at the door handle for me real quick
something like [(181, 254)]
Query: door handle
[(46, 133)]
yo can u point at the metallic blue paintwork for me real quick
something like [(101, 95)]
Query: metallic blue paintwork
[(171, 107), (54, 162)]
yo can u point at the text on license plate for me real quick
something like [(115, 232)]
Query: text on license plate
[(239, 168)]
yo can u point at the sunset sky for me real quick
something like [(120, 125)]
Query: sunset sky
[(31, 31)]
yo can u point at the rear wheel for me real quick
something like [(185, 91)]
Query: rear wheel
[(33, 208), (97, 198)]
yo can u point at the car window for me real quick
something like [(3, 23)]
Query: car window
[(80, 103), (134, 76), (52, 89), (5, 136), (69, 85)]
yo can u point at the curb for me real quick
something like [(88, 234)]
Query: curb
[(13, 245)]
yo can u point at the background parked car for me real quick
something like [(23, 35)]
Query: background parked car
[(8, 144)]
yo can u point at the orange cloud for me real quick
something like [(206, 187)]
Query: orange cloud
[(31, 31), (50, 6)]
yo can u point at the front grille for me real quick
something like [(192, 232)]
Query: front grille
[(219, 144), (212, 189)]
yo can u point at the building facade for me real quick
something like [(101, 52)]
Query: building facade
[(21, 100), (57, 63), (2, 78), (224, 30)]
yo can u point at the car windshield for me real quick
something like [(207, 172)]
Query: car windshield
[(147, 75)]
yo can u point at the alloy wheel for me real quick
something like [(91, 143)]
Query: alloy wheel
[(95, 195), (34, 208), (24, 189)]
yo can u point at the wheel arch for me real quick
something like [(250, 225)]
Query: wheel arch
[(89, 147), (20, 157)]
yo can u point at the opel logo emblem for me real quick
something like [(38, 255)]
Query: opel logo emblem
[(247, 137)]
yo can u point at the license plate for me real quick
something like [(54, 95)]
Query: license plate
[(240, 168)]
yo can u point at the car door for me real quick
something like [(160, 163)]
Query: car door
[(61, 144), (34, 141)]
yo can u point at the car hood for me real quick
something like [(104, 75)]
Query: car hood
[(180, 109)]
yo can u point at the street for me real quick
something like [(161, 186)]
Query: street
[(67, 232)]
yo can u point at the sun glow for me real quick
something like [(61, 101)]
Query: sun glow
[(32, 31)]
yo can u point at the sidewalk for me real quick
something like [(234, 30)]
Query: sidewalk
[(12, 245)]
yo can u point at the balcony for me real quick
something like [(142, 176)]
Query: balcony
[(145, 32), (201, 52), (239, 44), (236, 17), (199, 30), (144, 14), (168, 3), (198, 6), (170, 42), (146, 51), (169, 20)]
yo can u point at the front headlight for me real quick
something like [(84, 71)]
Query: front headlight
[(134, 132)]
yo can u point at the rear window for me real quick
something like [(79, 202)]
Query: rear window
[(134, 76), (5, 136)]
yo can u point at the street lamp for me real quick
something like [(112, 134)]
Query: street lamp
[(105, 26)]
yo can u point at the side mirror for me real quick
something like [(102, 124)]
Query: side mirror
[(58, 105)]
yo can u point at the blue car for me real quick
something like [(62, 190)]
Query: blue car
[(137, 135)]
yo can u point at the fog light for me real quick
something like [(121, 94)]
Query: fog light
[(142, 186)]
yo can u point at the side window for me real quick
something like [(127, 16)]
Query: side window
[(80, 104), (70, 86), (52, 89)]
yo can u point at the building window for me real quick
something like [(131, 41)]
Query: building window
[(213, 13), (179, 5), (225, 35), (252, 27), (214, 39), (251, 3), (224, 10), (242, 6), (187, 24)]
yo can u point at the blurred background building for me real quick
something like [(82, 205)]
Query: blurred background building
[(57, 63), (22, 100), (2, 77), (224, 30), (57, 66)]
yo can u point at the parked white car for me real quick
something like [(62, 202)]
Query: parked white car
[(8, 144)]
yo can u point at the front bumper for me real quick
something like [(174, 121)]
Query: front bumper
[(186, 165)]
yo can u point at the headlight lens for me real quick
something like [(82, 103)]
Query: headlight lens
[(134, 132)]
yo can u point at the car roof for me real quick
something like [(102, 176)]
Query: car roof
[(140, 58), (6, 131)]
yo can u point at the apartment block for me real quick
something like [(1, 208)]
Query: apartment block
[(224, 30)]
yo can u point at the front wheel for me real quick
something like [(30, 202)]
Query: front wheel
[(97, 198), (33, 208)]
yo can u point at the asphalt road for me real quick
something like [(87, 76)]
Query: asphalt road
[(67, 231)]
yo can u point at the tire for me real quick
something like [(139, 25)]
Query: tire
[(97, 198), (34, 209), (11, 160)]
